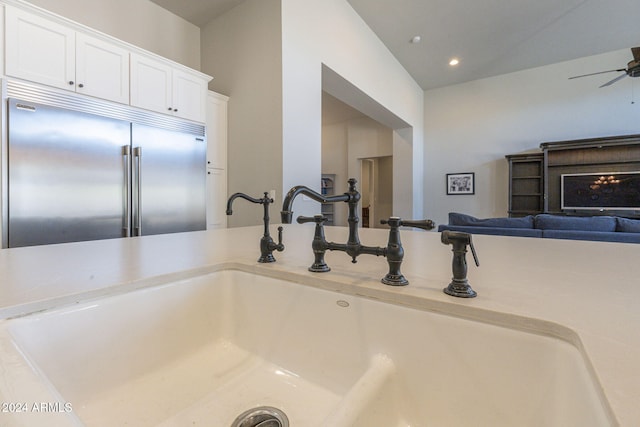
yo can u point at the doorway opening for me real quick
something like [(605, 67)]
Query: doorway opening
[(376, 188), (359, 133), (356, 146)]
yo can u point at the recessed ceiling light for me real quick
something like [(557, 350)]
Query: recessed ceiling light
[(454, 61), (416, 39)]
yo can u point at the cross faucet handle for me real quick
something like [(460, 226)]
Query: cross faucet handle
[(425, 224), (318, 219), (319, 244), (394, 221)]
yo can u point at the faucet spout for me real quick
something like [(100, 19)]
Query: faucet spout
[(246, 197), (351, 197), (287, 214)]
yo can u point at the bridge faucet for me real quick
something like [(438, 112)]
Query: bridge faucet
[(353, 247), (393, 251), (267, 245)]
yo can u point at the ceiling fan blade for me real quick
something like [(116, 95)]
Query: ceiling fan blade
[(599, 72), (635, 51), (610, 82)]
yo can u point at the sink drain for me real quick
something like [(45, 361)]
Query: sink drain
[(264, 416)]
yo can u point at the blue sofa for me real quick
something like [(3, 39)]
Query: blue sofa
[(599, 228)]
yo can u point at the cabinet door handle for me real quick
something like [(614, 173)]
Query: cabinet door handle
[(80, 85), (70, 82)]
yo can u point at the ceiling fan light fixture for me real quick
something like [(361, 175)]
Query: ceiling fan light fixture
[(632, 70)]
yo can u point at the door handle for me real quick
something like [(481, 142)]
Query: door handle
[(126, 154), (137, 153)]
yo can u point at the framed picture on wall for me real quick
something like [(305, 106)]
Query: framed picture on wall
[(461, 183)]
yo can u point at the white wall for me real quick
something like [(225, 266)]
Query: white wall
[(470, 127), (268, 56), (330, 32), (242, 50), (139, 22), (369, 139), (343, 145), (383, 192), (334, 161)]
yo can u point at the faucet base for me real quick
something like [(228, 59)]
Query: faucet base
[(460, 288), (394, 280), (266, 258), (319, 268)]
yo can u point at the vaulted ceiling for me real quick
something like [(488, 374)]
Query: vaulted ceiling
[(488, 37)]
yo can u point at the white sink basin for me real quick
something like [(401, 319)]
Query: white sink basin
[(203, 350)]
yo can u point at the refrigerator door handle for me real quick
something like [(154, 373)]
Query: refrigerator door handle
[(126, 154), (137, 153)]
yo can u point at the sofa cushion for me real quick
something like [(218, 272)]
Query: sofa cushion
[(468, 220), (590, 223), (626, 225), (493, 231)]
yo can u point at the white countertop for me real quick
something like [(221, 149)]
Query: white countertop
[(587, 293)]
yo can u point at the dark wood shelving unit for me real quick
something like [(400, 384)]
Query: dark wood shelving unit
[(526, 184), (535, 177)]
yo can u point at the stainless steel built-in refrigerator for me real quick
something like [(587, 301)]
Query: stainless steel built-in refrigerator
[(74, 175)]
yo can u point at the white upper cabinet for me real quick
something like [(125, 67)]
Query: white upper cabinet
[(54, 51), (159, 87), (39, 50), (102, 69), (189, 96), (43, 51), (150, 84)]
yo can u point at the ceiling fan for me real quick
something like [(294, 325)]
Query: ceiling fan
[(632, 70)]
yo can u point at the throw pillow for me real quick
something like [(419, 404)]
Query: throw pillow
[(626, 225)]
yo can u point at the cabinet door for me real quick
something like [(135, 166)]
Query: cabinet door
[(216, 198), (151, 84), (189, 96), (39, 50), (216, 131), (102, 69)]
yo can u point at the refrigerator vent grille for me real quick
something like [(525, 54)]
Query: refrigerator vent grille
[(29, 92)]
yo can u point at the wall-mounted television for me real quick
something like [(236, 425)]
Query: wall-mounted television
[(600, 191)]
